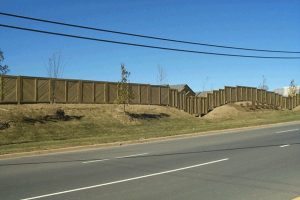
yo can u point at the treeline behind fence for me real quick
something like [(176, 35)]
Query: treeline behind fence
[(21, 89)]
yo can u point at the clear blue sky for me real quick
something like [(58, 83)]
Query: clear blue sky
[(267, 24)]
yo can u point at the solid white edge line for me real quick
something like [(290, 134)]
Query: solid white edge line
[(286, 145), (101, 160), (125, 180), (288, 131)]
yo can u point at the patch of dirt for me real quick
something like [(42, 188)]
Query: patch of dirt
[(223, 112), (297, 108)]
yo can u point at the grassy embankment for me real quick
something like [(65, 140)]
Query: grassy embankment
[(31, 127)]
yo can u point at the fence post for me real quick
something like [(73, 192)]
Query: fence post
[(35, 90), (94, 95), (149, 94), (169, 91), (66, 91), (80, 92), (159, 96), (19, 89), (106, 93), (139, 94)]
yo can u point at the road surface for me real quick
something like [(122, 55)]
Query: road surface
[(261, 163)]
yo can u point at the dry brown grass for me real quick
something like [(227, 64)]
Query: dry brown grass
[(108, 123)]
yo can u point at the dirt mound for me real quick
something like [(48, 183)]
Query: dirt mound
[(224, 112), (297, 108)]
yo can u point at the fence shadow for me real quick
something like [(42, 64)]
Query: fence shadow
[(147, 115)]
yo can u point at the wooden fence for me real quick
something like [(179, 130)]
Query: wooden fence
[(22, 89)]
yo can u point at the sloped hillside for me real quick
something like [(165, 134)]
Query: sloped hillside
[(45, 126)]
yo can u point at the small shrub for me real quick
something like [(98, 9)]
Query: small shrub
[(60, 113), (4, 125)]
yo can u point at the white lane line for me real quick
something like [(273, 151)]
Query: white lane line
[(101, 160), (92, 161), (125, 180), (286, 145), (134, 155), (288, 131)]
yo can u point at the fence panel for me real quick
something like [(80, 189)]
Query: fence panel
[(73, 91), (155, 95), (88, 92), (222, 96), (249, 94), (112, 92), (28, 90), (100, 92), (227, 94), (233, 94), (135, 89), (210, 101), (43, 90), (8, 90), (216, 98), (164, 96), (254, 95), (145, 94), (239, 93), (59, 91)]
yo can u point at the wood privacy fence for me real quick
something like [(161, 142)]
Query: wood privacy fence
[(21, 89)]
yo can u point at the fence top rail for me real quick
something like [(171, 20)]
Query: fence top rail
[(68, 79)]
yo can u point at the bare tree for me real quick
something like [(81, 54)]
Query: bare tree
[(125, 93), (263, 85), (55, 70), (292, 90), (204, 83), (4, 69), (161, 75)]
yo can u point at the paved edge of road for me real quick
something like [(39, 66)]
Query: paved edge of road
[(141, 141)]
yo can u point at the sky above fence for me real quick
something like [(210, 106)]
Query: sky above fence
[(253, 24)]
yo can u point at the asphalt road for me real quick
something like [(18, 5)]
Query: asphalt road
[(252, 164)]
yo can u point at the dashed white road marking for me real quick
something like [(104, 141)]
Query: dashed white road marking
[(134, 155), (286, 145), (92, 161), (126, 180), (101, 160), (288, 131)]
